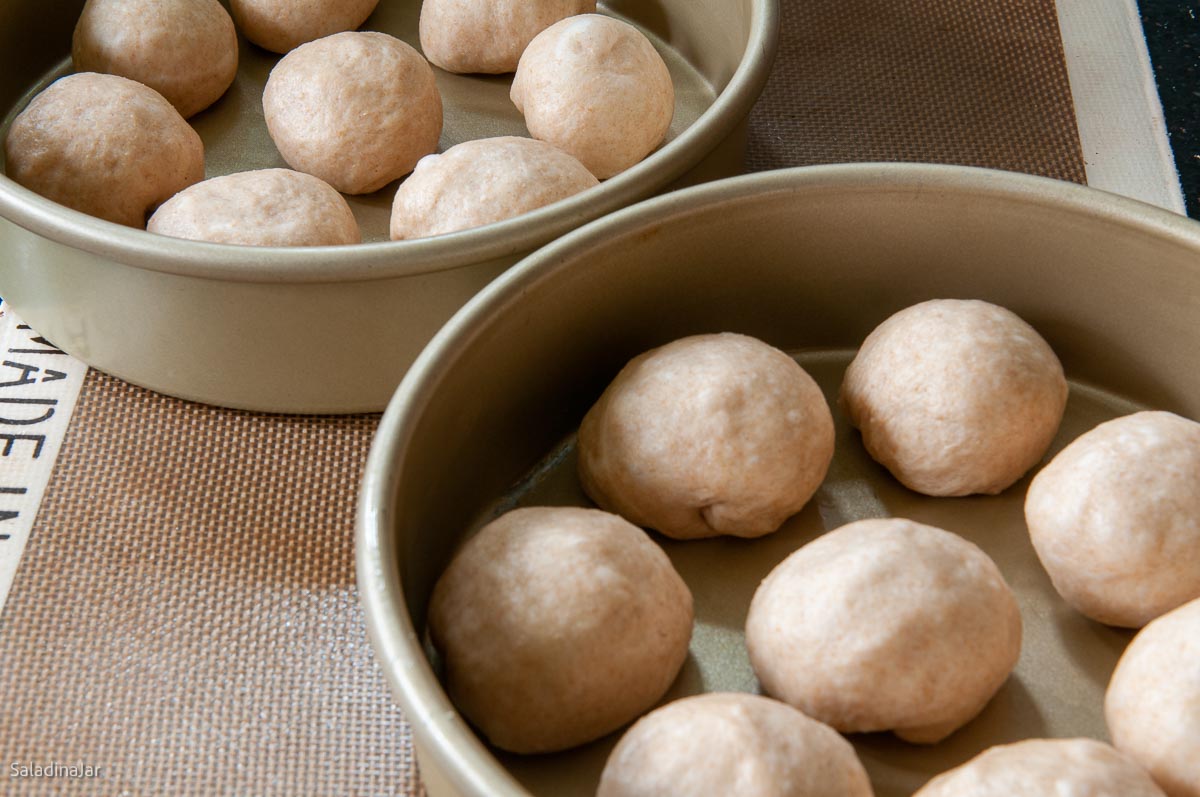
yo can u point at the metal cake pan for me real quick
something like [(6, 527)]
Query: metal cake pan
[(809, 260), (329, 329)]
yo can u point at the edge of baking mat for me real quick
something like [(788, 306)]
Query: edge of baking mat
[(39, 385), (1117, 109)]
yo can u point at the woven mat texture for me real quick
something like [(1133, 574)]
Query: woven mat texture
[(185, 615)]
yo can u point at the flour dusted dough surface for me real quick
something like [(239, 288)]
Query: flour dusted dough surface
[(184, 49), (595, 87), (103, 145), (268, 207), (1153, 700), (1045, 768), (710, 434), (557, 626), (484, 181), (282, 25), (356, 109), (885, 625), (955, 396), (1115, 518), (721, 745), (488, 35)]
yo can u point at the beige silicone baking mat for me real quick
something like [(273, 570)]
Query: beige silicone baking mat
[(185, 619)]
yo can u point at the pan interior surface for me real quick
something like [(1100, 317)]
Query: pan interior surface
[(1057, 689), (235, 133), (475, 106), (809, 260)]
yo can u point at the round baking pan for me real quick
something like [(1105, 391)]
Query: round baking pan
[(329, 329), (809, 260)]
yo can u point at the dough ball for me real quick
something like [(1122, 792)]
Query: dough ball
[(1153, 701), (557, 625), (1115, 518), (103, 145), (269, 207), (720, 745), (955, 397), (708, 435), (595, 87), (186, 50), (885, 625), (357, 110), (484, 181), (282, 25), (1045, 768), (488, 35)]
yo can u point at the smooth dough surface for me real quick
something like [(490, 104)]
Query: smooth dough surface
[(103, 145), (707, 435), (356, 109), (595, 87), (186, 50), (721, 745), (885, 624), (557, 625), (488, 35), (955, 397), (267, 207), (484, 181), (1153, 701), (1045, 768), (1115, 518), (282, 25)]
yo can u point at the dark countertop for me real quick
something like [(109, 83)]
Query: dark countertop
[(1173, 35)]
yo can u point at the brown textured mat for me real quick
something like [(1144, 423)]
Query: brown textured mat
[(972, 82), (185, 615)]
